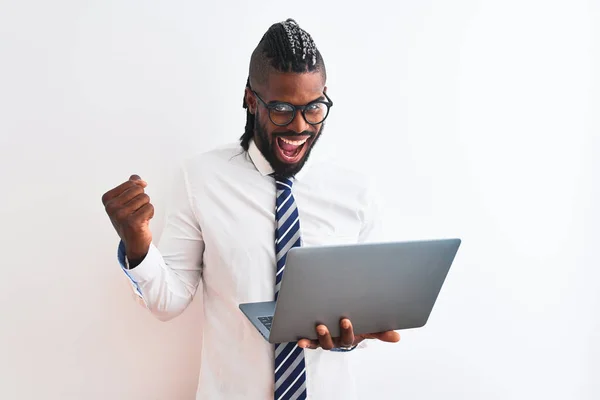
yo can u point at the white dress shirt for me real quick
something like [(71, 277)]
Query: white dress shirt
[(218, 242)]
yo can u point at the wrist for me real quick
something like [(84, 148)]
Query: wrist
[(136, 250), (131, 263), (135, 257)]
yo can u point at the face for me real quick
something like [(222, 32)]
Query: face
[(286, 147)]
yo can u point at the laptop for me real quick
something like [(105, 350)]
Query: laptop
[(378, 286)]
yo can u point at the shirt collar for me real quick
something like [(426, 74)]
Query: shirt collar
[(264, 167)]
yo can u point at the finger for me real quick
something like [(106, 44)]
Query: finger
[(118, 204), (325, 339), (137, 202), (117, 191), (129, 195), (308, 344), (347, 335), (146, 212), (388, 336)]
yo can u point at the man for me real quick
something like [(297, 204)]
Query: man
[(234, 214)]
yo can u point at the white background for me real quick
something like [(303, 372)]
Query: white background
[(479, 119)]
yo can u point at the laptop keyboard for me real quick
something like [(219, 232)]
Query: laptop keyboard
[(266, 321)]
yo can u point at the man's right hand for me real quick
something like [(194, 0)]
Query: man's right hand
[(130, 212)]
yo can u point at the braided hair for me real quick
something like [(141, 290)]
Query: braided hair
[(285, 47)]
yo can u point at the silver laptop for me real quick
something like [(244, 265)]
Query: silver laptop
[(378, 286)]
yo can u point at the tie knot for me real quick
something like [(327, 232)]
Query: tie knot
[(283, 183)]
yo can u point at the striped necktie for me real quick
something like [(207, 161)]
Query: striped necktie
[(290, 373)]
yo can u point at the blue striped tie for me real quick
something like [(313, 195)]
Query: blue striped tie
[(290, 372)]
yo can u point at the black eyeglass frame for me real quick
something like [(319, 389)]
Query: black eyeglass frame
[(272, 105)]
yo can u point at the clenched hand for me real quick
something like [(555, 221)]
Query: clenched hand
[(130, 211)]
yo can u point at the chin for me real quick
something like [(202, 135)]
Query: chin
[(291, 150), (289, 154)]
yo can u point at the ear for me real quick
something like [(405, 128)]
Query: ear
[(250, 101), (325, 89)]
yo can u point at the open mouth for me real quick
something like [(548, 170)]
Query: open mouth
[(291, 150)]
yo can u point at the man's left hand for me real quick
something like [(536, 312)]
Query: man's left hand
[(347, 338)]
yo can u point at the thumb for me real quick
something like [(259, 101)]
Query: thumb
[(388, 336), (136, 179)]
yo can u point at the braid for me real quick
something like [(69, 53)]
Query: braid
[(249, 129), (278, 44), (285, 47)]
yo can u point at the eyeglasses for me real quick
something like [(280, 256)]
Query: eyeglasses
[(282, 113)]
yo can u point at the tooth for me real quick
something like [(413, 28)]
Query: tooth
[(294, 142)]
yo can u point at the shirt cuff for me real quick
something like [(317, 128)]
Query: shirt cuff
[(361, 345), (341, 350), (143, 272)]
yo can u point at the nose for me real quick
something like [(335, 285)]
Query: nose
[(299, 124)]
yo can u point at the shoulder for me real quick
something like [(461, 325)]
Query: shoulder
[(217, 156), (341, 177), (222, 160), (342, 184)]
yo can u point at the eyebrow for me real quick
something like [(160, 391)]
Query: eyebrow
[(322, 97)]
